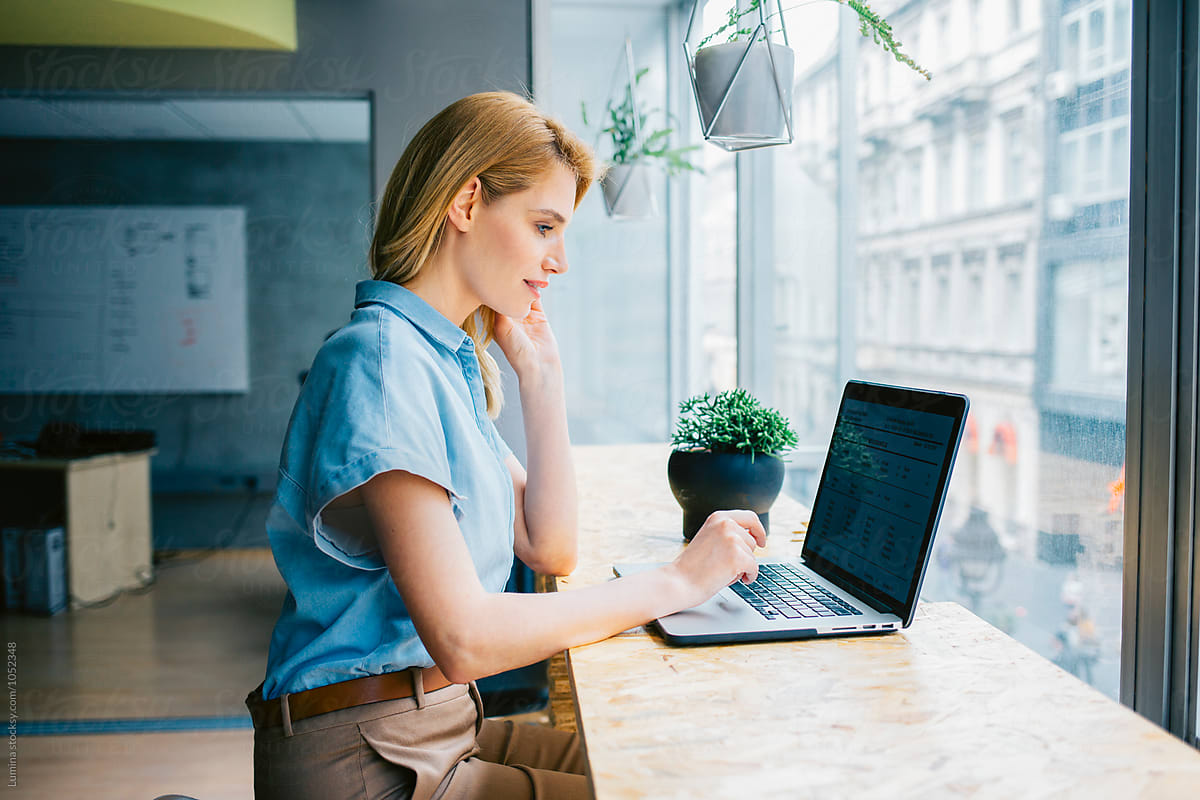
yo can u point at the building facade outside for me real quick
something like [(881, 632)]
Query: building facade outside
[(990, 259)]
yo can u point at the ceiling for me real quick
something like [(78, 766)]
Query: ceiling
[(186, 119)]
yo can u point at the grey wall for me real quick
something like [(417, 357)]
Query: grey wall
[(412, 58)]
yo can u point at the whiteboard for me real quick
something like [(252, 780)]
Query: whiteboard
[(123, 299)]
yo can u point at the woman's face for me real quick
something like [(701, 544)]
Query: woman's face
[(516, 243)]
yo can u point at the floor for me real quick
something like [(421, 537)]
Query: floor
[(152, 685)]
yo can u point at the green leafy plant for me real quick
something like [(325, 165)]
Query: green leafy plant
[(871, 24), (622, 129), (733, 421)]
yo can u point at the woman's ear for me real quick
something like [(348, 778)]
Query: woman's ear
[(465, 203)]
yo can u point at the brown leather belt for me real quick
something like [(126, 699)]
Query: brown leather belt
[(346, 694)]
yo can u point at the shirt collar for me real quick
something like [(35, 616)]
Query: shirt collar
[(413, 308)]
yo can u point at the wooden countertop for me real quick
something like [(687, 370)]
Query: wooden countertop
[(949, 707)]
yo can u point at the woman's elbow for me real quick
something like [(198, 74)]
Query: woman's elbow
[(563, 567), (559, 564), (455, 660), (458, 671)]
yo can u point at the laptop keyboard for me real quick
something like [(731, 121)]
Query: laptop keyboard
[(783, 591)]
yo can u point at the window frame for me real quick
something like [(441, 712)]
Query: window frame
[(1161, 616), (1161, 595)]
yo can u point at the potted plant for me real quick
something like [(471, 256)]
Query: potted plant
[(726, 455), (626, 181), (744, 92)]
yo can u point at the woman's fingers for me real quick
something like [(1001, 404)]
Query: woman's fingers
[(749, 522)]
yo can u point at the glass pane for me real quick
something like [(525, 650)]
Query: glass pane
[(609, 311), (713, 247), (1070, 54), (952, 291), (714, 263), (807, 384)]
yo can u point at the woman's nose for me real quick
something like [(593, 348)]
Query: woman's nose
[(556, 262)]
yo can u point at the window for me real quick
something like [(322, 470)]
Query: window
[(934, 321), (964, 287), (1118, 159), (945, 43), (807, 193), (1014, 331), (976, 172), (1014, 160), (888, 216), (1119, 42), (910, 307), (1070, 47), (1093, 174), (913, 186), (1095, 44), (616, 361), (945, 179), (1069, 167), (974, 334), (715, 265)]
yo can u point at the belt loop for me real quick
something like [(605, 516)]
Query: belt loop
[(287, 714), (418, 683)]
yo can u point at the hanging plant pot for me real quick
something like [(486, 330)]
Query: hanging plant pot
[(743, 87), (739, 101), (627, 192)]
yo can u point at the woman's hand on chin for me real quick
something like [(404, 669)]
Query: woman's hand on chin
[(529, 345)]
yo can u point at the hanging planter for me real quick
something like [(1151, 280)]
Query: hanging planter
[(743, 86), (742, 76), (627, 191), (733, 116), (626, 184)]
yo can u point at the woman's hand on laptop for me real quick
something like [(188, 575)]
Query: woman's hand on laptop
[(721, 552)]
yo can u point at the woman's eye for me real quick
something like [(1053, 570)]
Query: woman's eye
[(544, 229)]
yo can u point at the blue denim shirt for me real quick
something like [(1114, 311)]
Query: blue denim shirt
[(398, 387)]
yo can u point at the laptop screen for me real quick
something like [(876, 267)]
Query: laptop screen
[(881, 492)]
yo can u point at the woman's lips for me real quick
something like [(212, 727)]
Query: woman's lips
[(535, 286)]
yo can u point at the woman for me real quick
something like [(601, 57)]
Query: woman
[(400, 508)]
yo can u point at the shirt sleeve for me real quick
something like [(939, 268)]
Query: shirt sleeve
[(379, 413)]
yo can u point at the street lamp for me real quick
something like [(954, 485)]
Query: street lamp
[(977, 553)]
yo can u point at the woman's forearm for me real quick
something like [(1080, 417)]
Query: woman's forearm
[(514, 630), (551, 503)]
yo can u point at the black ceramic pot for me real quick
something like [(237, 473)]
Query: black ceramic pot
[(705, 482)]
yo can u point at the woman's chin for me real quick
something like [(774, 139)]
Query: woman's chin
[(519, 311)]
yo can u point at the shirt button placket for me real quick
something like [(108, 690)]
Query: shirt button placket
[(470, 366)]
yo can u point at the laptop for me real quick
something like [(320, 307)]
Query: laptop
[(869, 536)]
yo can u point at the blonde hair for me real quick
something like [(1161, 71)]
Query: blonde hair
[(505, 141)]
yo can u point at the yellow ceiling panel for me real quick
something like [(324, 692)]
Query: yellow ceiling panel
[(237, 24)]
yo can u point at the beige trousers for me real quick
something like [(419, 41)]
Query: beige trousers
[(432, 746)]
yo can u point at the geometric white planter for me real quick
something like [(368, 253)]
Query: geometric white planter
[(752, 110), (627, 192), (743, 89)]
